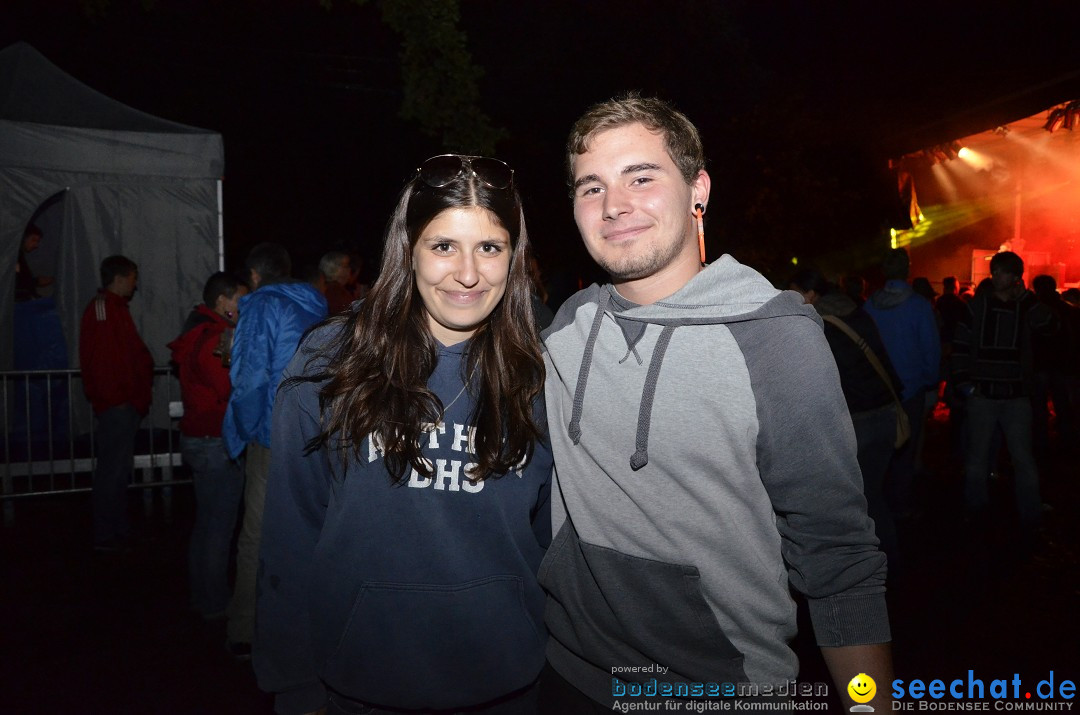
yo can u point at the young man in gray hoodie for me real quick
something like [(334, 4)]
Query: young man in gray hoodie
[(704, 456)]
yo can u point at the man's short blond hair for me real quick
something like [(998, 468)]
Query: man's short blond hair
[(681, 138)]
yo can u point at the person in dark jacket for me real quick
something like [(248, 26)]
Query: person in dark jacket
[(407, 509), (952, 309), (118, 377), (202, 355), (869, 400), (1056, 356), (992, 365)]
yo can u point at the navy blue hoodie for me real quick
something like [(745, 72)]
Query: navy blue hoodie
[(420, 595)]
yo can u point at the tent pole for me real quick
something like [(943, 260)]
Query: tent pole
[(220, 230)]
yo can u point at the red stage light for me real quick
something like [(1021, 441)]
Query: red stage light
[(1055, 120), (1072, 115)]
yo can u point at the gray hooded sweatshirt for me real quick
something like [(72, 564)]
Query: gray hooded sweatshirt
[(704, 461)]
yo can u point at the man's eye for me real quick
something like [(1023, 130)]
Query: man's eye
[(641, 180), (590, 190)]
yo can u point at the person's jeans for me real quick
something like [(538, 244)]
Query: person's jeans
[(114, 444), (901, 481), (219, 485), (241, 611), (1014, 416)]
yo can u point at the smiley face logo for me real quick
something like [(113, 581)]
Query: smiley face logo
[(862, 688)]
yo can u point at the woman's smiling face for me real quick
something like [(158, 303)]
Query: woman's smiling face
[(461, 263)]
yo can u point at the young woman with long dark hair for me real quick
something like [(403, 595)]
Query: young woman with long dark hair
[(407, 509)]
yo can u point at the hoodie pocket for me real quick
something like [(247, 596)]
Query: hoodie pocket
[(613, 609), (436, 646)]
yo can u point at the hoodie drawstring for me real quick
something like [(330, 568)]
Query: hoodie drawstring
[(641, 456), (574, 429), (631, 343), (641, 441)]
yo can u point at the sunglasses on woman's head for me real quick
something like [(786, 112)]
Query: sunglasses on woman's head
[(442, 170)]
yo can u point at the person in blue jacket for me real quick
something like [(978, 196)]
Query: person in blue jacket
[(407, 509), (272, 320), (909, 331)]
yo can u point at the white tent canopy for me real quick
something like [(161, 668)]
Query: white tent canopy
[(116, 181)]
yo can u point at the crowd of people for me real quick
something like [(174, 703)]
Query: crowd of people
[(1002, 359), (440, 511)]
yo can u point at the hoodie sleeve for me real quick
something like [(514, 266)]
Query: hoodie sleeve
[(807, 460), (297, 494), (252, 355)]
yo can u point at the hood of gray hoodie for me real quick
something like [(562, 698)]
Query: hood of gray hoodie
[(724, 292)]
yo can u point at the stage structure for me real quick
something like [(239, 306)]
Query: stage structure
[(1015, 187)]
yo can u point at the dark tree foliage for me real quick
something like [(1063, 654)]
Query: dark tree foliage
[(440, 81)]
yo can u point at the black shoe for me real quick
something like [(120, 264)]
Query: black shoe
[(238, 650)]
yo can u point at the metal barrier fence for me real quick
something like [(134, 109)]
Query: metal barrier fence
[(48, 445)]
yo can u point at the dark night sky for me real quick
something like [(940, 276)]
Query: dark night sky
[(800, 103)]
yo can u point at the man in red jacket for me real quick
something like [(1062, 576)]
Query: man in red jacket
[(118, 374)]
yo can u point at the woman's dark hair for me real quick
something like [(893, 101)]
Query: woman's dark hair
[(377, 367)]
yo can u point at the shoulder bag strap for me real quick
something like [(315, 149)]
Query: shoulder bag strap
[(847, 330)]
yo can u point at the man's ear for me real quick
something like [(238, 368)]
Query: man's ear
[(700, 188)]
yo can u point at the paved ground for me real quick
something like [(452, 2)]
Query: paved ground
[(81, 633)]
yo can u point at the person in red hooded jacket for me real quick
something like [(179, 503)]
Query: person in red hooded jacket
[(118, 374), (202, 355)]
